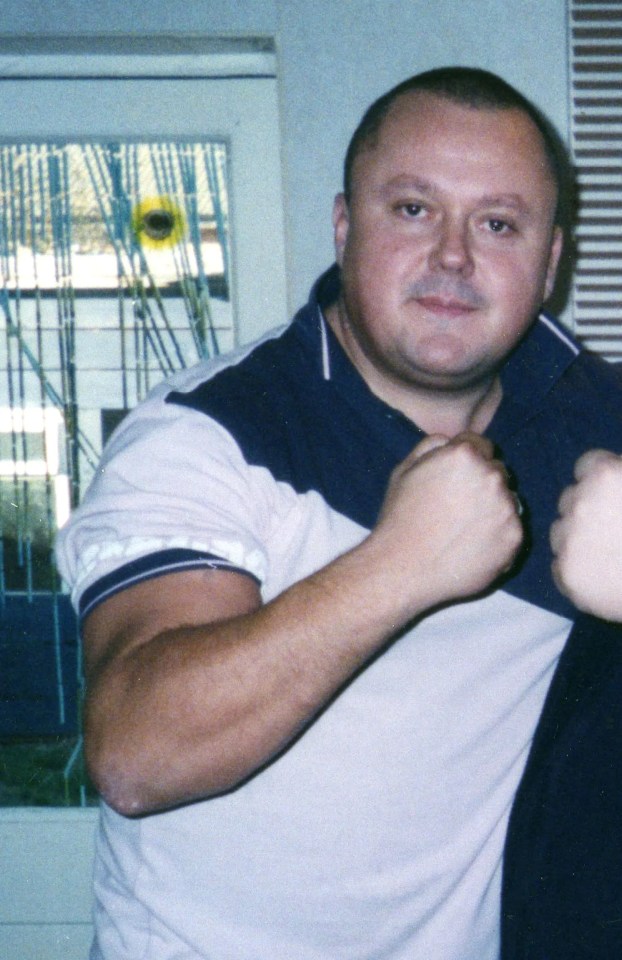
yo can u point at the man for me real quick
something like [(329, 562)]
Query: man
[(320, 625)]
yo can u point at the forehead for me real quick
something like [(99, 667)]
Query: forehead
[(427, 135)]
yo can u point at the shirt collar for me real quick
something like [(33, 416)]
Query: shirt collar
[(531, 371), (528, 374)]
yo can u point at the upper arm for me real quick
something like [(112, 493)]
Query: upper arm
[(170, 534), (139, 613), (173, 493)]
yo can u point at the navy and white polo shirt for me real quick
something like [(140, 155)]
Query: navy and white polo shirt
[(380, 831)]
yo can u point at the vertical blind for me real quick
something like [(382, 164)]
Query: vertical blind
[(596, 140)]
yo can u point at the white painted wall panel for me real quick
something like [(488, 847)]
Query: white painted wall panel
[(46, 859)]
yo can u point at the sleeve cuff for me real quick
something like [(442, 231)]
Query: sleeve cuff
[(173, 560)]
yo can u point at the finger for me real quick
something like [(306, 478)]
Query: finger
[(556, 536), (485, 449), (482, 445), (557, 576), (566, 500), (428, 444), (586, 463)]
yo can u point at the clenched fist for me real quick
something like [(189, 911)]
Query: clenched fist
[(587, 537), (449, 524)]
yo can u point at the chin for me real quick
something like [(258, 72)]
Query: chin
[(450, 378)]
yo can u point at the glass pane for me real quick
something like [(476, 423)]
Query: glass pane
[(115, 266)]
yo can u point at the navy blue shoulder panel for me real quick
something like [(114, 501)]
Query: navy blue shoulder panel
[(312, 433)]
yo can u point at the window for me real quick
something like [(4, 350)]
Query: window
[(134, 239), (34, 495)]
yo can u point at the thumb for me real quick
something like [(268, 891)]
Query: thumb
[(428, 444)]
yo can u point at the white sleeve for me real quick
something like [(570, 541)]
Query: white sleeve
[(172, 491)]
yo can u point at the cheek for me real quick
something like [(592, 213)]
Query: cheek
[(515, 297), (375, 271), (379, 246), (514, 281)]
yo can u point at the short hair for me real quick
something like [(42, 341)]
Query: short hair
[(470, 87)]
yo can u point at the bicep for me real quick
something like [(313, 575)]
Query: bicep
[(139, 613)]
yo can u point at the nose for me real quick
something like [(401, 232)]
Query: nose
[(452, 250)]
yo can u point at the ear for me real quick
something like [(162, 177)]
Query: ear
[(341, 223), (556, 252)]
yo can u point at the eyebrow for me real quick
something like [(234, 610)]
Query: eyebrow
[(408, 183), (427, 188)]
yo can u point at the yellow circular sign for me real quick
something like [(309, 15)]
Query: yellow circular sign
[(158, 222)]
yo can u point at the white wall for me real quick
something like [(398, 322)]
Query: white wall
[(335, 57), (45, 883)]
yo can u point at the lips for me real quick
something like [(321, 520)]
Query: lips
[(448, 306)]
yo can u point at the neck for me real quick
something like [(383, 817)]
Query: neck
[(434, 409)]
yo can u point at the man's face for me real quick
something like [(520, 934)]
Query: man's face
[(447, 247)]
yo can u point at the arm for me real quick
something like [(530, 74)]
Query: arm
[(193, 684), (587, 537)]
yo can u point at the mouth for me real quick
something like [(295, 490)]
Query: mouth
[(445, 306)]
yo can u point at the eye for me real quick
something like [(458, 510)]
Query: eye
[(496, 225), (411, 210)]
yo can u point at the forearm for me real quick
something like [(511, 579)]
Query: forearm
[(196, 709)]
